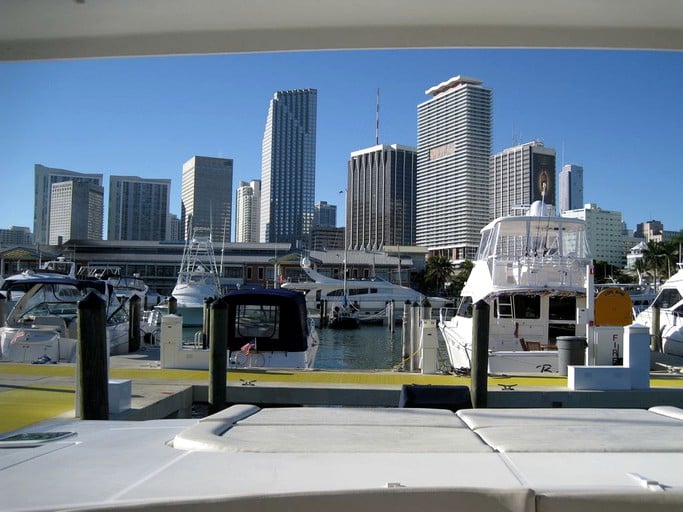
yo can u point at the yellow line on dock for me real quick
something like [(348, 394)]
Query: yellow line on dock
[(33, 404)]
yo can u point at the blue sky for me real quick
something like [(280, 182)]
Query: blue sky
[(619, 114)]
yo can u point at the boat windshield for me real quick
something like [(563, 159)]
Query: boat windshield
[(524, 237), (50, 299)]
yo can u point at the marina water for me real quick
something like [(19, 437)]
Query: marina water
[(372, 347)]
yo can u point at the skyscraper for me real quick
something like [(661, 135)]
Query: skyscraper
[(288, 167), (44, 178), (138, 208), (76, 212), (380, 207), (206, 197), (519, 176), (453, 150), (248, 211), (571, 187), (325, 215)]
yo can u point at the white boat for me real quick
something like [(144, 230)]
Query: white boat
[(532, 271), (198, 279), (14, 287), (266, 328), (344, 316), (669, 300), (43, 327), (336, 459), (369, 297), (124, 286)]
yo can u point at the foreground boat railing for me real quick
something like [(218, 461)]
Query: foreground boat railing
[(538, 271)]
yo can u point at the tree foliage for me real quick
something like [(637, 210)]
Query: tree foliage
[(438, 272)]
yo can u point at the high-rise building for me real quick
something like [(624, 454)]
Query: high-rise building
[(288, 167), (173, 227), (248, 211), (325, 215), (206, 197), (76, 212), (651, 231), (519, 176), (138, 208), (380, 202), (44, 178), (604, 233), (16, 235), (453, 150), (571, 187)]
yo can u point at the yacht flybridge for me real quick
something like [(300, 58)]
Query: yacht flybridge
[(532, 270)]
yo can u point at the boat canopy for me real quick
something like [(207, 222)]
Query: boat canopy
[(273, 319), (524, 236)]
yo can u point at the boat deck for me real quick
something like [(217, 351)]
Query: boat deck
[(246, 458)]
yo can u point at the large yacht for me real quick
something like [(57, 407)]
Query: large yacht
[(370, 297), (532, 271)]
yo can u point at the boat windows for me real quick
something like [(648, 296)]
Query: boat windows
[(465, 308), (562, 308), (667, 298), (526, 306), (257, 321)]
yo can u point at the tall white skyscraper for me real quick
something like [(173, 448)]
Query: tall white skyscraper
[(571, 187), (453, 150), (206, 197), (248, 211), (288, 167), (519, 176), (138, 208), (76, 212), (44, 178)]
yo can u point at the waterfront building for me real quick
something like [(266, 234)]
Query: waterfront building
[(206, 197), (380, 198), (243, 264), (571, 187), (44, 178), (138, 208), (453, 150), (16, 235), (76, 212), (519, 176), (325, 215), (248, 211), (604, 233), (635, 252), (288, 167)]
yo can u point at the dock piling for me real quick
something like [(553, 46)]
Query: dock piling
[(218, 358), (92, 372), (134, 317), (480, 359)]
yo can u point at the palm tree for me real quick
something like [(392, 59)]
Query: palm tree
[(657, 258), (461, 276), (439, 271)]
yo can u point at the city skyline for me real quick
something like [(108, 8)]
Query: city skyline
[(618, 114)]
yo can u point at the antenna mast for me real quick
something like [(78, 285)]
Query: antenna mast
[(377, 120)]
